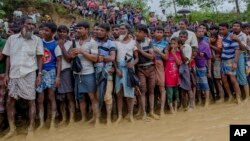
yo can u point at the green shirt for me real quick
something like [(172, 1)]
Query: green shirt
[(2, 62)]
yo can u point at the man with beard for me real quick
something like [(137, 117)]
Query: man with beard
[(126, 49), (241, 38), (160, 50), (107, 53), (146, 70), (20, 74)]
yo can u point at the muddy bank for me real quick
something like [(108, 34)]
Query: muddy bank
[(211, 124)]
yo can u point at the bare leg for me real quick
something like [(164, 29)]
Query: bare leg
[(143, 106), (151, 104), (191, 99), (63, 111), (207, 98), (171, 108), (220, 88), (82, 105), (199, 94), (227, 87), (130, 103), (53, 108), (41, 110), (71, 107), (236, 88), (119, 105), (163, 100), (246, 91), (32, 111), (10, 114), (138, 98), (95, 108)]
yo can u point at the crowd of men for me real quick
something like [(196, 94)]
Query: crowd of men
[(174, 69)]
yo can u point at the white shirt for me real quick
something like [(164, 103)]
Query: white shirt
[(162, 17), (123, 49), (89, 46), (23, 54), (192, 39), (65, 64)]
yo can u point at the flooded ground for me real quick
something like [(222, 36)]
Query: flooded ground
[(211, 124)]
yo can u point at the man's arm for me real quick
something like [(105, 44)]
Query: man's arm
[(7, 69), (110, 58)]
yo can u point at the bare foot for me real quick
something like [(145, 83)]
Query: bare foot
[(10, 134), (30, 135), (162, 114), (206, 104), (62, 123), (154, 116), (230, 99), (108, 122), (118, 120), (131, 118), (52, 127), (91, 120), (41, 126), (138, 114), (97, 123), (238, 100), (221, 100)]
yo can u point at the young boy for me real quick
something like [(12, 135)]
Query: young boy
[(203, 66), (185, 84), (66, 88), (51, 72)]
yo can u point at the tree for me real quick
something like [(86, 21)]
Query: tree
[(175, 3)]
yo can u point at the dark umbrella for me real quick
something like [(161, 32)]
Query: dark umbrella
[(102, 85), (183, 11)]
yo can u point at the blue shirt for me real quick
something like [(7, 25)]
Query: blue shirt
[(228, 47), (161, 45), (104, 49), (49, 57)]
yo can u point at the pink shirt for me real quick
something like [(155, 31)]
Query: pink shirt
[(172, 71)]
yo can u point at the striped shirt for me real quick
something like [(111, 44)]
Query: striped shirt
[(104, 49), (161, 45), (228, 47), (146, 45)]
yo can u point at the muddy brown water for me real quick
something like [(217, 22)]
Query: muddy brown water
[(202, 124)]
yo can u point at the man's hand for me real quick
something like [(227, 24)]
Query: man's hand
[(61, 42), (201, 54), (6, 80), (235, 38), (119, 73), (38, 80), (209, 74), (156, 50), (74, 52), (57, 82), (234, 66)]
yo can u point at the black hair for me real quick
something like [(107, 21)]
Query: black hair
[(105, 26), (246, 25), (184, 20), (83, 24), (183, 32), (24, 19), (214, 27), (115, 26), (52, 26), (127, 26), (214, 35), (159, 28), (238, 22), (204, 24), (96, 24), (224, 25), (142, 27), (63, 28)]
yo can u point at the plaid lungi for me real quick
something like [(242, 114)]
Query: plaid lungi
[(23, 87)]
